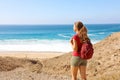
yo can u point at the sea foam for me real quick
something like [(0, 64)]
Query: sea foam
[(36, 45)]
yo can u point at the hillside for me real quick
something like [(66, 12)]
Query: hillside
[(105, 64)]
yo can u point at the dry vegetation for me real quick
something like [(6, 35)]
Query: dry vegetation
[(9, 63)]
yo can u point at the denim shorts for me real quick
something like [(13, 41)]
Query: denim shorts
[(77, 61)]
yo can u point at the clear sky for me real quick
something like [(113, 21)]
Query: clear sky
[(59, 11)]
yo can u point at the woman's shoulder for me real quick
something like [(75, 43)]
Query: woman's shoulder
[(75, 36)]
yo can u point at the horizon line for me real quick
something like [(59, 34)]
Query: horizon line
[(62, 24)]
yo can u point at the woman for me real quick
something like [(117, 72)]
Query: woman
[(76, 62)]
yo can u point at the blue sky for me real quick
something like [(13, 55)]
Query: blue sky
[(59, 11)]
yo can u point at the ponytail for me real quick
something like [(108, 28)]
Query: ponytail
[(83, 34)]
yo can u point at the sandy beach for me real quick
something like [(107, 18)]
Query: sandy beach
[(56, 66), (30, 54)]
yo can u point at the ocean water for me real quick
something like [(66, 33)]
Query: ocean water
[(48, 37)]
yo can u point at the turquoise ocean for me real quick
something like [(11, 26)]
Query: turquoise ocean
[(48, 37)]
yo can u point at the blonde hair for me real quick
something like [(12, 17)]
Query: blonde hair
[(82, 31)]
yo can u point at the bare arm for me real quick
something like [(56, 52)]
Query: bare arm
[(74, 45)]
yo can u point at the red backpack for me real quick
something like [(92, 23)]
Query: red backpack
[(86, 50)]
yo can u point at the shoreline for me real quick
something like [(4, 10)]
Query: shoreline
[(31, 54)]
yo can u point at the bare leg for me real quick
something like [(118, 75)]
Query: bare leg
[(82, 70), (74, 71)]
